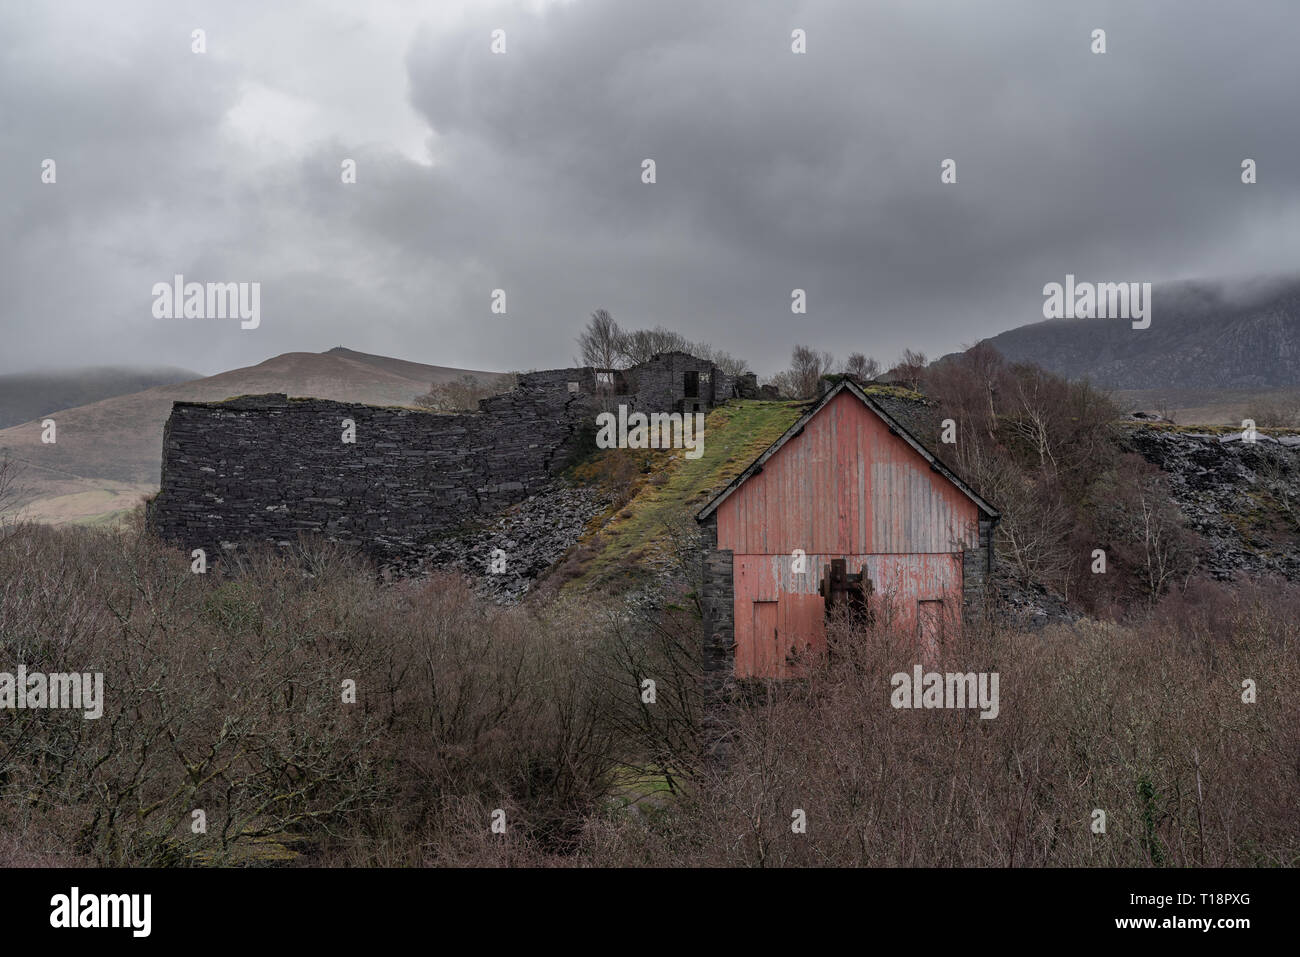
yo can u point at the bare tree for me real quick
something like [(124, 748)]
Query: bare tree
[(1033, 421), (782, 383), (861, 367), (1165, 409), (601, 343), (987, 369), (463, 394), (910, 368), (642, 345), (807, 366), (9, 489), (725, 361)]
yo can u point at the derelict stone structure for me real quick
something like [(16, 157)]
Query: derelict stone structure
[(268, 468), (678, 382)]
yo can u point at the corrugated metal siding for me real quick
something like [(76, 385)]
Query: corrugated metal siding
[(844, 488), (901, 581), (847, 486)]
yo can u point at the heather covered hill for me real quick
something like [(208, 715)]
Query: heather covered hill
[(108, 453)]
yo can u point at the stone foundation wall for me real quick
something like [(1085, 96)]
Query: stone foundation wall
[(976, 572), (717, 605)]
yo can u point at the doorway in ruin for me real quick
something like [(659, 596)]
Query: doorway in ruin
[(846, 596)]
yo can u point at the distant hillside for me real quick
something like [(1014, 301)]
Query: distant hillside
[(1203, 336), (32, 395), (108, 453)]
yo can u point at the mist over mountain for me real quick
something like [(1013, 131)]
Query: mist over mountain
[(29, 395), (1203, 335)]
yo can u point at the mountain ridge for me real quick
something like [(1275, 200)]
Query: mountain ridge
[(110, 451), (1203, 335)]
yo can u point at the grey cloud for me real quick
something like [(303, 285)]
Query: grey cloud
[(774, 171)]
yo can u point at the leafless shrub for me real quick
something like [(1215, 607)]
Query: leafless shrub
[(1278, 411), (731, 365), (463, 394), (223, 693), (1279, 472), (1144, 723), (1044, 452)]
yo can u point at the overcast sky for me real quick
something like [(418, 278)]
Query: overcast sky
[(522, 171)]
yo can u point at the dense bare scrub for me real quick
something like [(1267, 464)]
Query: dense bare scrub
[(1145, 723), (225, 693), (1044, 450)]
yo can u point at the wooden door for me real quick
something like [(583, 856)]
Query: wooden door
[(767, 653)]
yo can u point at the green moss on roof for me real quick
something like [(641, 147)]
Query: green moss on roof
[(894, 392)]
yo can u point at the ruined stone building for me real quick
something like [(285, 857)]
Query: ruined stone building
[(266, 468)]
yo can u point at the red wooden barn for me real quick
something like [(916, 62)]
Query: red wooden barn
[(846, 483)]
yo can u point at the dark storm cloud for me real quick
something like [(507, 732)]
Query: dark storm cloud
[(775, 171)]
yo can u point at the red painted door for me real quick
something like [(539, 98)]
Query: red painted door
[(766, 647)]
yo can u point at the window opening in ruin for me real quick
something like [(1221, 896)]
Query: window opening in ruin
[(691, 385)]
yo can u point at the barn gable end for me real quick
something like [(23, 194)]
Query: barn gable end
[(846, 482)]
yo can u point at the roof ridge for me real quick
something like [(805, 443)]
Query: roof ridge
[(895, 427)]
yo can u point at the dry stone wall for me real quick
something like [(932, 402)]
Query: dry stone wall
[(267, 468)]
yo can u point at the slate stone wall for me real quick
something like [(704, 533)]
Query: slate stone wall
[(659, 384), (717, 605), (266, 468), (977, 570)]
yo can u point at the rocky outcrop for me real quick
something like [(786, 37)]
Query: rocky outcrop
[(1242, 497), (1026, 605)]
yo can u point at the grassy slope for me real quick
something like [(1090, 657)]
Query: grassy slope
[(669, 489), (676, 487)]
